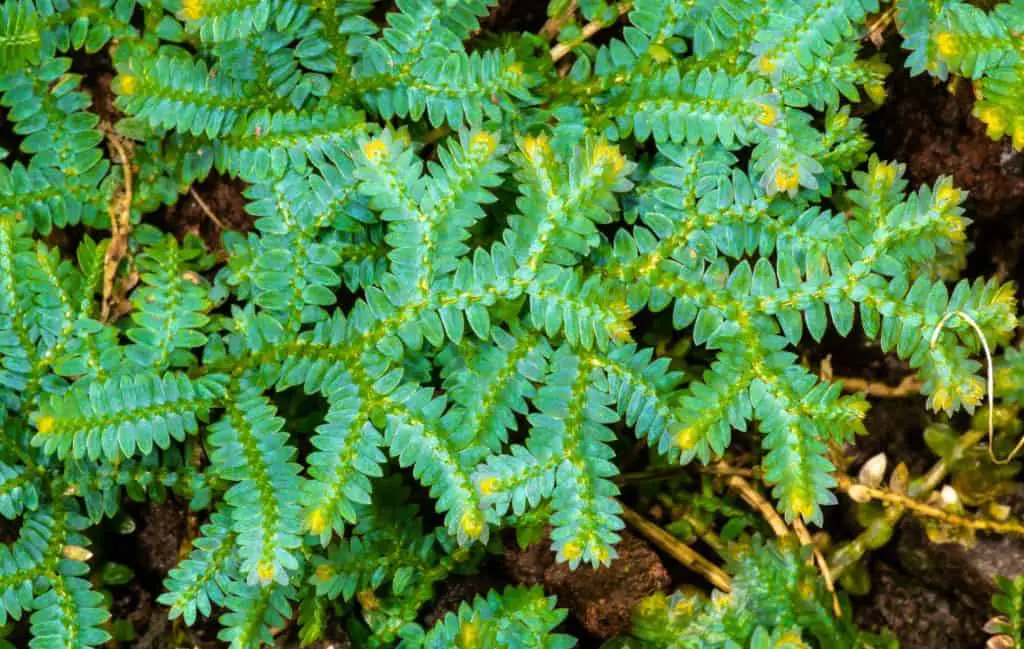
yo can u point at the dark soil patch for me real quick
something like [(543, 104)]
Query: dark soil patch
[(98, 87), (151, 551), (10, 141), (919, 615), (223, 196), (161, 531), (515, 16), (455, 590), (9, 530)]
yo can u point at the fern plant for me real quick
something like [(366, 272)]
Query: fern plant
[(452, 238), (777, 602)]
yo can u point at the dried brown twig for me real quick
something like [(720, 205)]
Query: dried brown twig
[(861, 492), (679, 551), (908, 387), (876, 30), (120, 210), (554, 24), (591, 28), (205, 208)]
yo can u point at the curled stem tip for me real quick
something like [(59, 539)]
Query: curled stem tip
[(989, 383)]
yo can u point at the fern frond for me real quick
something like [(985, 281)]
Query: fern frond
[(586, 311), (170, 307), (125, 415), (1009, 601), (347, 455), (453, 88), (67, 166), (709, 410), (418, 435), (796, 461), (383, 557), (264, 145), (224, 20), (558, 212), (570, 424), (775, 602), (429, 216), (492, 380), (170, 91), (69, 613), (251, 450), (645, 390), (39, 544), (17, 341), (20, 35), (253, 611), (203, 579), (798, 34), (983, 45), (18, 491)]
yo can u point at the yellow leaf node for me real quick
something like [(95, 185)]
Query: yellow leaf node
[(46, 424), (472, 524), (947, 44), (317, 521), (192, 9), (787, 178), (375, 149), (768, 116), (489, 486), (484, 143), (265, 571)]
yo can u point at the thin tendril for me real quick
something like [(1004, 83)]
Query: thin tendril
[(989, 382)]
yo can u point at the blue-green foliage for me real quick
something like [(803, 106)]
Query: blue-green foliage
[(518, 617), (775, 603), (452, 238)]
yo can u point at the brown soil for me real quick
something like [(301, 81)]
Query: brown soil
[(224, 198), (9, 530), (452, 592), (517, 16), (601, 599)]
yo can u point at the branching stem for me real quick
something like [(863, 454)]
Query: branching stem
[(849, 553), (924, 509), (907, 387)]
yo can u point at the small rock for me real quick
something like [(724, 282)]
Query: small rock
[(969, 572), (919, 616), (602, 599)]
